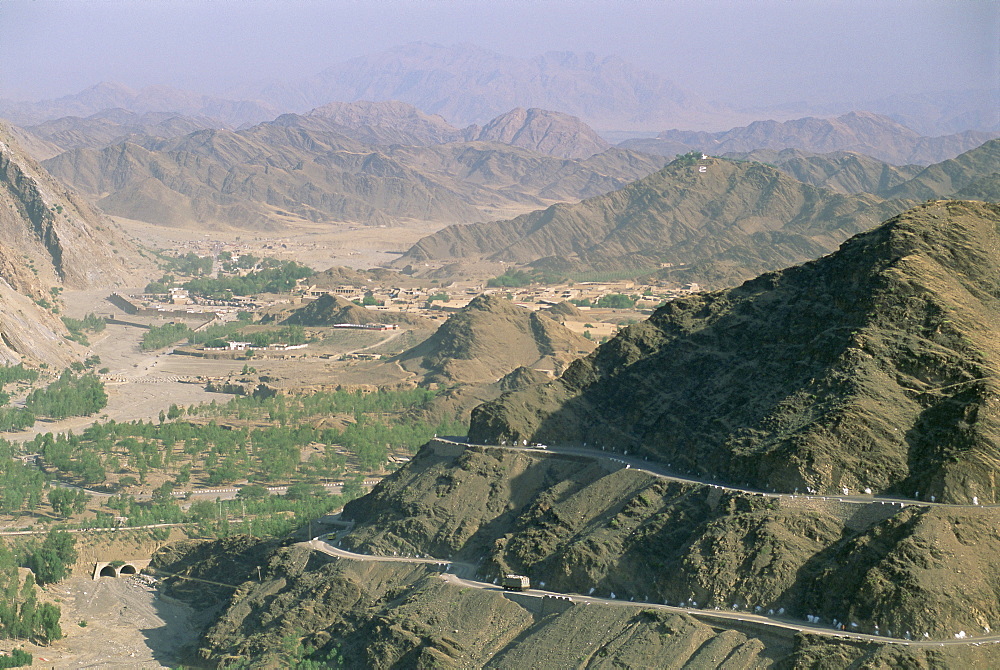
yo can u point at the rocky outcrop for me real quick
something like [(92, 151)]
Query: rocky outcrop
[(62, 235)]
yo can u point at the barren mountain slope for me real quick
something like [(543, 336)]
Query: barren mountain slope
[(255, 179), (872, 368), (576, 526), (949, 177)]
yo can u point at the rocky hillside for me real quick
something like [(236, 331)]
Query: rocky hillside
[(874, 366), (50, 239), (488, 339), (871, 368), (861, 132), (550, 133), (711, 221)]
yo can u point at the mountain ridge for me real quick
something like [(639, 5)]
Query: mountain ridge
[(861, 132), (302, 168), (710, 219), (604, 91), (896, 344), (488, 339)]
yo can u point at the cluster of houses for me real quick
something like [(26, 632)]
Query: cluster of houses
[(244, 346)]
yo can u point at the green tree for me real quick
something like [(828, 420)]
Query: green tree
[(66, 502), (616, 301), (253, 492), (50, 561), (47, 617), (17, 658)]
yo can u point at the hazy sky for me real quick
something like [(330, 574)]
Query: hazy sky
[(742, 52)]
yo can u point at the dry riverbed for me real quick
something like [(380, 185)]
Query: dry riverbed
[(128, 625)]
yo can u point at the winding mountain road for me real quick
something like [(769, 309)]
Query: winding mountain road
[(462, 573), (662, 472), (453, 571)]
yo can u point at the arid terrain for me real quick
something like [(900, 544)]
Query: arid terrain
[(660, 337)]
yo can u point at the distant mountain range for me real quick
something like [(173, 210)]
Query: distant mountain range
[(380, 162), (376, 123), (322, 167), (469, 85), (713, 221), (710, 221), (107, 127), (862, 132), (112, 95)]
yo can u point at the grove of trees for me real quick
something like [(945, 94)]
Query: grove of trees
[(21, 615), (70, 395)]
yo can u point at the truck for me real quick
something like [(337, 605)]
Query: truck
[(516, 583)]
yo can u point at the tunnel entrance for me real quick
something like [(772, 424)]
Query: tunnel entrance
[(127, 570), (108, 571)]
